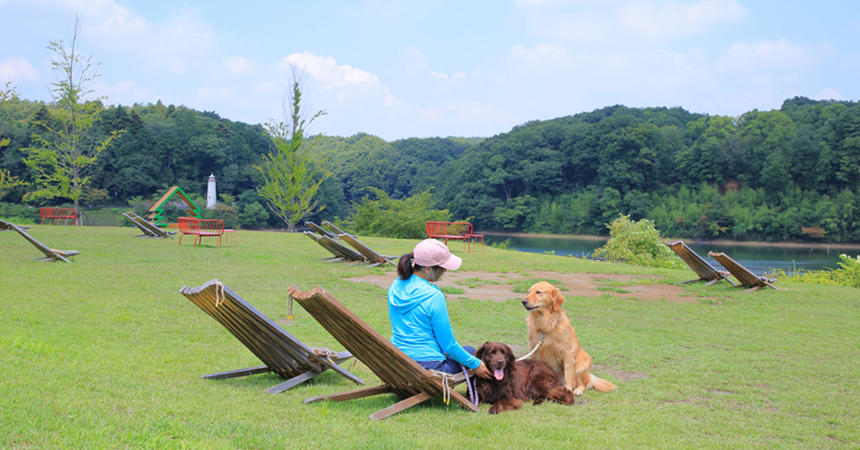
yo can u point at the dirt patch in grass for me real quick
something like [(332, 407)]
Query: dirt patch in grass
[(498, 287)]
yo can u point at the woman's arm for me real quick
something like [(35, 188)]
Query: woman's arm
[(445, 335)]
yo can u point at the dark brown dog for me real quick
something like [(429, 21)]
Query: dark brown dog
[(514, 381)]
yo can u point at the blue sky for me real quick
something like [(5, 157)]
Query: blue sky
[(400, 69)]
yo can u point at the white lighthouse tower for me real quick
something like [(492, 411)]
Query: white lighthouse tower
[(210, 192)]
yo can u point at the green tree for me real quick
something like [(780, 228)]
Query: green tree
[(61, 155), (7, 93), (403, 218), (291, 178)]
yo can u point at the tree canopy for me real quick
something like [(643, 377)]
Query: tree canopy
[(765, 175)]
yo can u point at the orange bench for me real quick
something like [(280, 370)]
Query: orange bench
[(200, 228), (452, 230), (58, 214)]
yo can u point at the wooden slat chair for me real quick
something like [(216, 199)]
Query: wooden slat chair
[(697, 264), (280, 351), (399, 373), (145, 231), (149, 228), (340, 251), (369, 254), (316, 238), (747, 279), (372, 257), (51, 254), (320, 230)]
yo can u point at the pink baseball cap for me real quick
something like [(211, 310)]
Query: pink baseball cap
[(431, 252)]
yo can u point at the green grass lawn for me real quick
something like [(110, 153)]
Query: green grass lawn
[(106, 353)]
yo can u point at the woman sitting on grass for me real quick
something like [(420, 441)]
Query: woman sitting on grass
[(419, 315)]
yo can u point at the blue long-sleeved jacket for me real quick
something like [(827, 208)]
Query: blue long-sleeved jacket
[(420, 325)]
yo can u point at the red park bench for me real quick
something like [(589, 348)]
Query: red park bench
[(58, 214), (200, 228), (452, 230)]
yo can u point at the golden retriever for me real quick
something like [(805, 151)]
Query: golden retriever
[(560, 348)]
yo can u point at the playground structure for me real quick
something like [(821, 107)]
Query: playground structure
[(156, 212)]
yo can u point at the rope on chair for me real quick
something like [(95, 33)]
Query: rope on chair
[(219, 293)]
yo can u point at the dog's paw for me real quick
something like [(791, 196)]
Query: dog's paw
[(578, 391)]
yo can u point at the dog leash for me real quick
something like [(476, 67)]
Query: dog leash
[(534, 349), (473, 396)]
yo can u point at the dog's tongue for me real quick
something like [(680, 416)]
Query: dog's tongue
[(499, 374)]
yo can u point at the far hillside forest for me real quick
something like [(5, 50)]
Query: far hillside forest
[(791, 174)]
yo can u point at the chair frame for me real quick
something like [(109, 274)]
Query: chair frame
[(51, 254), (369, 254), (697, 264), (399, 373), (148, 229), (340, 251), (747, 279), (281, 352)]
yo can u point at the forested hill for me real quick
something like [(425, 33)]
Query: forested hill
[(762, 176)]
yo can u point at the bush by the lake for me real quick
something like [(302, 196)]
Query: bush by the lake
[(637, 243), (847, 274), (396, 218), (19, 214)]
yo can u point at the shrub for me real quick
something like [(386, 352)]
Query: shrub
[(253, 215), (848, 273), (637, 243), (19, 214), (224, 212), (402, 218)]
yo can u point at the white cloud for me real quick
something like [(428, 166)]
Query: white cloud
[(209, 95), (679, 19), (542, 3), (772, 55), (540, 53), (828, 94), (413, 60), (456, 76), (327, 71), (17, 70), (344, 81), (239, 65)]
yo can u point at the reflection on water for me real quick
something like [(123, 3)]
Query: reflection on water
[(757, 258)]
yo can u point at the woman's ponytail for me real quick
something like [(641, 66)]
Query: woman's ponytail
[(404, 266)]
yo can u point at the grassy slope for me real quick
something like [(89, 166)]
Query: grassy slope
[(106, 352)]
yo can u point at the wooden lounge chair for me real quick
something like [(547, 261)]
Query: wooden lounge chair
[(280, 351), (371, 256), (399, 373), (743, 275), (50, 253), (145, 231), (147, 227), (703, 268), (340, 251), (320, 230)]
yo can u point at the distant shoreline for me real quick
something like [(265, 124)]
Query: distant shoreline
[(852, 246)]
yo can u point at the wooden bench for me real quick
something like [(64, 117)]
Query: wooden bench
[(58, 214), (200, 228), (445, 231)]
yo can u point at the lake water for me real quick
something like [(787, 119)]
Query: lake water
[(757, 258)]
